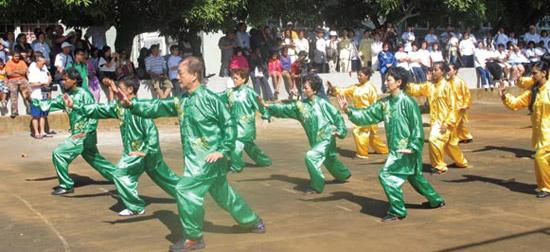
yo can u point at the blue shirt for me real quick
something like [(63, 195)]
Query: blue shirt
[(385, 58)]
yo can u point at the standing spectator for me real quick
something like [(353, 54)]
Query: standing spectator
[(531, 35), (319, 52), (39, 77), (415, 59), (4, 89), (173, 62), (16, 70), (267, 42), (107, 64), (155, 65), (289, 45), (81, 67), (354, 52), (275, 70), (141, 72), (78, 42), (480, 61), (332, 51), (365, 49), (227, 45), (21, 44), (59, 39), (286, 63), (62, 59), (386, 60), (376, 48), (466, 49), (290, 28), (259, 75), (436, 55), (431, 38), (93, 82), (298, 71), (302, 44), (446, 35), (501, 37), (452, 49), (97, 34), (408, 38), (344, 52), (390, 36), (243, 38), (40, 45)]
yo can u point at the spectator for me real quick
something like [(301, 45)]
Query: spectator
[(436, 55), (332, 51), (302, 44), (3, 51), (452, 49), (544, 38), (489, 42), (286, 64), (227, 45), (446, 35), (141, 72), (97, 34), (10, 42), (62, 59), (344, 52), (186, 48), (298, 70), (319, 52), (93, 82), (531, 35), (480, 61), (415, 64), (4, 89), (16, 70), (531, 53), (238, 60), (40, 45), (21, 44), (408, 37), (94, 58), (402, 57), (155, 65), (59, 39), (431, 38), (125, 67), (288, 43), (274, 68), (512, 38), (107, 64), (376, 48), (354, 53), (267, 42), (290, 28), (173, 62), (466, 49), (424, 55), (501, 37), (501, 57), (365, 49), (39, 77), (386, 60), (259, 74), (243, 38), (80, 65), (78, 42)]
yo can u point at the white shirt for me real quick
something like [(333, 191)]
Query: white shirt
[(243, 40), (531, 37), (321, 44), (414, 58), (400, 56), (376, 47), (408, 38), (173, 61), (517, 58), (480, 57), (430, 38), (424, 56), (436, 56), (62, 60), (466, 47), (302, 45), (37, 75), (532, 55), (103, 65)]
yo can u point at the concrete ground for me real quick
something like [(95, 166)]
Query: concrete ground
[(490, 207)]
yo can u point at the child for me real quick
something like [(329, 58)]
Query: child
[(275, 70), (4, 90)]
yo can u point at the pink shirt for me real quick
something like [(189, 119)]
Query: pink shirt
[(238, 62), (274, 66)]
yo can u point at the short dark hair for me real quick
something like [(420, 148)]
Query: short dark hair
[(242, 72), (314, 81), (399, 73), (441, 65), (79, 50), (453, 65), (366, 71), (194, 66), (129, 82), (73, 74), (172, 47)]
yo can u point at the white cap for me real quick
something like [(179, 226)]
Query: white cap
[(66, 44), (333, 33), (289, 23)]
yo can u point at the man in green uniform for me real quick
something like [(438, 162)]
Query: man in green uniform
[(405, 137), (208, 134), (83, 137), (322, 122), (141, 149), (243, 104)]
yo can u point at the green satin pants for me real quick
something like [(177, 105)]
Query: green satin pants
[(325, 153), (392, 184), (190, 200), (66, 152), (253, 151), (130, 168)]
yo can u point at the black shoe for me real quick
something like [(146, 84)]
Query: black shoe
[(61, 191), (14, 115), (259, 228), (428, 205), (543, 194), (391, 217), (336, 181), (187, 245)]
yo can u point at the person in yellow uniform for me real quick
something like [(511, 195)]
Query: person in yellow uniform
[(464, 101), (537, 100), (441, 98), (363, 94)]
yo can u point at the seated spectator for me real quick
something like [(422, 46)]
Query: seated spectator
[(16, 70), (238, 60), (155, 65), (21, 44), (286, 63), (39, 77), (4, 90), (275, 69), (107, 64)]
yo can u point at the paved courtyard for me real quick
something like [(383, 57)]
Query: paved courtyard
[(490, 207)]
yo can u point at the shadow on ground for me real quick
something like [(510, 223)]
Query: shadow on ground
[(511, 185)]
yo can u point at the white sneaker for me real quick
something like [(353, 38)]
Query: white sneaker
[(127, 212)]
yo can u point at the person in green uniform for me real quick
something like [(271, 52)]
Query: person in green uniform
[(208, 134), (81, 67), (405, 137), (322, 122), (243, 104), (141, 149), (83, 137)]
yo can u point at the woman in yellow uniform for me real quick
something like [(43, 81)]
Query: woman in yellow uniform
[(464, 101), (443, 118), (363, 95), (537, 100)]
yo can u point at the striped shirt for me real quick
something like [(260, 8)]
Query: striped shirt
[(155, 65)]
